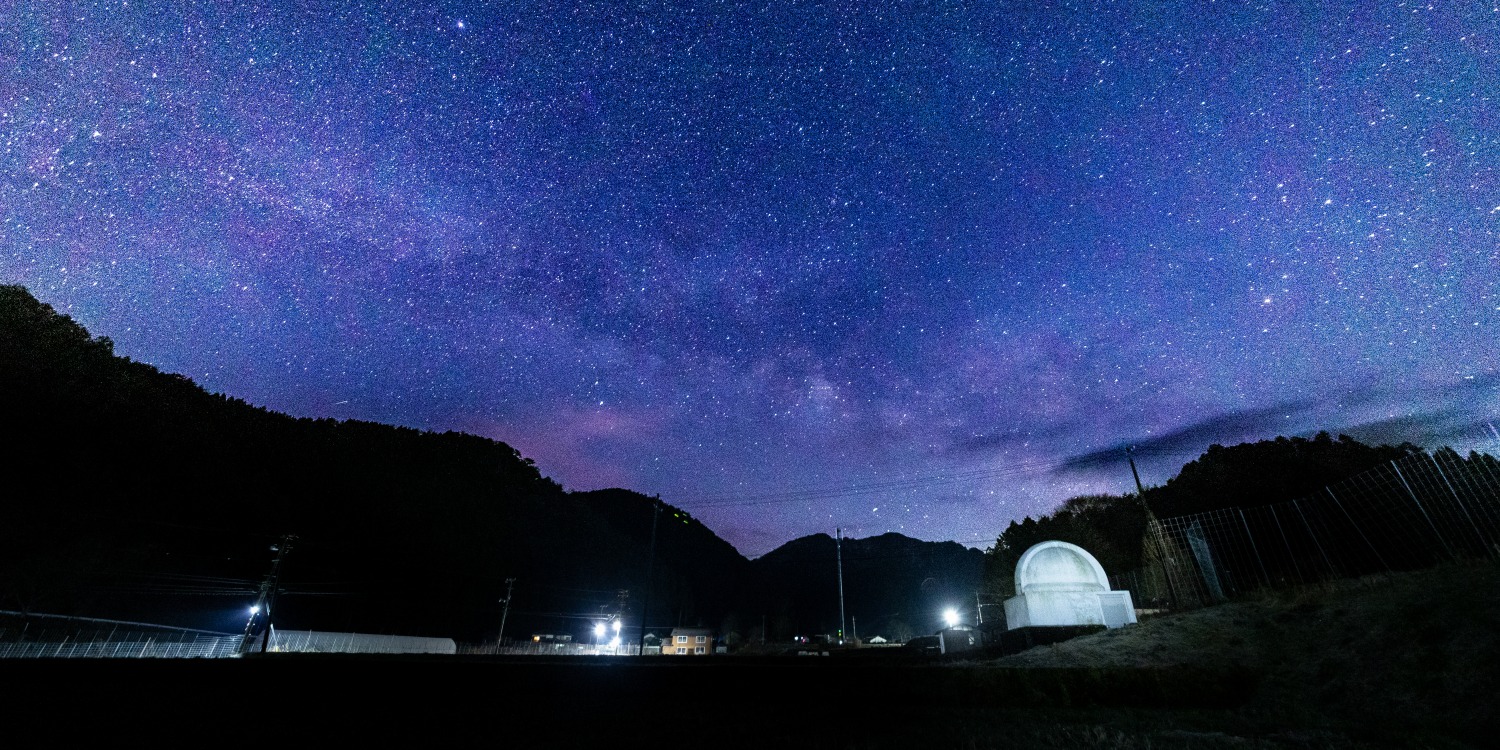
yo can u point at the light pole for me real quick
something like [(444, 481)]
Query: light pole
[(598, 633)]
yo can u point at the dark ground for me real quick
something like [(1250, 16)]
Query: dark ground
[(724, 702), (1406, 660)]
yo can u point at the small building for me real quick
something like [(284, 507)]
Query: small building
[(689, 642), (651, 643), (957, 639)]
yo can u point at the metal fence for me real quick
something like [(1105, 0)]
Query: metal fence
[(318, 642), (1411, 513), (38, 636), (56, 637)]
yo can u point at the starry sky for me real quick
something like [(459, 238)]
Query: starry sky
[(924, 267)]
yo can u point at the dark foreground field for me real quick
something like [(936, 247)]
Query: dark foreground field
[(1407, 660), (611, 702), (615, 702)]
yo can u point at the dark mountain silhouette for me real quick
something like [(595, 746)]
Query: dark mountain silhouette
[(894, 586), (136, 494), (708, 579)]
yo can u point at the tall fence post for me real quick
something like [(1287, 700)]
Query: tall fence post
[(1371, 545), (1459, 500), (1254, 548), (1489, 480), (1288, 543), (1483, 487), (1314, 534), (1418, 502)]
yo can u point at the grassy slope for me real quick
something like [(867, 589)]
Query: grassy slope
[(1411, 658)]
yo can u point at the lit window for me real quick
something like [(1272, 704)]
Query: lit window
[(682, 639), (699, 650), (703, 639)]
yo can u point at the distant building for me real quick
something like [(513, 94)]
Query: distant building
[(551, 643), (689, 642)]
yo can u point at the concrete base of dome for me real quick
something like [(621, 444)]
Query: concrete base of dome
[(1062, 608)]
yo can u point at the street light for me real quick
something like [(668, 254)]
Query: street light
[(950, 616)]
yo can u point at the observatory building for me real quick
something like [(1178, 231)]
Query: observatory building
[(1061, 584)]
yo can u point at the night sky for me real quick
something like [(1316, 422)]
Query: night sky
[(921, 267)]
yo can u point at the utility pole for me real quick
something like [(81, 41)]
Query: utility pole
[(838, 546), (1140, 491), (281, 553), (650, 564), (1140, 494), (510, 584), (267, 598)]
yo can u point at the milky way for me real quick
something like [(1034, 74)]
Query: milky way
[(919, 267)]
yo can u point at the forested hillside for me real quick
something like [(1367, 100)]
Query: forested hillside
[(1246, 475), (136, 494)]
